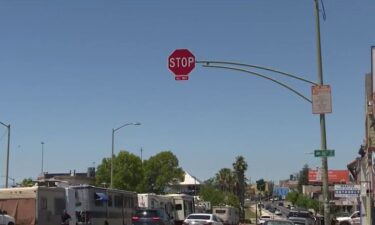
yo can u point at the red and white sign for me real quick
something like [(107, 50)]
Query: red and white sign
[(334, 176), (181, 62), (321, 99)]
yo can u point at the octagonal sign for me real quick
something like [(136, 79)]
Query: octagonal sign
[(181, 62)]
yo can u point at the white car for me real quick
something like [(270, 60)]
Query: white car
[(6, 219), (278, 212), (263, 219), (202, 218)]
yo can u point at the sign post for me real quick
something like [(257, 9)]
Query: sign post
[(181, 62)]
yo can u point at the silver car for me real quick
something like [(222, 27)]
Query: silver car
[(202, 219)]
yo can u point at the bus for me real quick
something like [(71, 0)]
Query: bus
[(100, 206)]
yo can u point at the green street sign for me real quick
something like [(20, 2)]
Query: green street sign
[(324, 153)]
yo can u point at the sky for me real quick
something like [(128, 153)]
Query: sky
[(71, 71)]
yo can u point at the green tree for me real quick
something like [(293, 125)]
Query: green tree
[(216, 197), (261, 185), (103, 173), (225, 179), (27, 182), (211, 194), (161, 170), (292, 197), (303, 178), (127, 171), (240, 167)]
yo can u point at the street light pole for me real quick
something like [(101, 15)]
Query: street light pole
[(7, 164), (113, 146), (323, 139), (42, 157)]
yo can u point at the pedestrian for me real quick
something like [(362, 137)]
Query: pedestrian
[(65, 217)]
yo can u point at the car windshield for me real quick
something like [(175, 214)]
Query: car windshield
[(199, 217)]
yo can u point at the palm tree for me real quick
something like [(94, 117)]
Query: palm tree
[(240, 167), (224, 179)]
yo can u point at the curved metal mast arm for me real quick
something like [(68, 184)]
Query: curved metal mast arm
[(263, 76), (257, 67)]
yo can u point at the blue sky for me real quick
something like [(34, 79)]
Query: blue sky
[(71, 71)]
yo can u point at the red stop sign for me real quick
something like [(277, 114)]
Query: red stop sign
[(181, 62)]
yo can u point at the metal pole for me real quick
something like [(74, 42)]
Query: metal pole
[(7, 166), (323, 142), (112, 158), (42, 157)]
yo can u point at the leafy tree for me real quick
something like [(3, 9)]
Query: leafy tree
[(27, 182), (161, 170), (211, 194), (261, 185), (127, 171), (103, 173), (303, 178), (217, 197), (292, 197)]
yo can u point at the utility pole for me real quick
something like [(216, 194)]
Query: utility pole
[(323, 139), (7, 157)]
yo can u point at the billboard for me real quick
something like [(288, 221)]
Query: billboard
[(334, 176)]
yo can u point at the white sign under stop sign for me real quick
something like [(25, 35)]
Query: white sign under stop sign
[(321, 99)]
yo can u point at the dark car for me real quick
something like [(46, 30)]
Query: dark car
[(151, 217)]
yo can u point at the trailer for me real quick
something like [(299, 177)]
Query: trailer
[(100, 206), (183, 205), (229, 214), (34, 205), (163, 203)]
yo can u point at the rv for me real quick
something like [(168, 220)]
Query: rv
[(100, 206), (183, 205), (161, 202), (229, 214), (34, 205)]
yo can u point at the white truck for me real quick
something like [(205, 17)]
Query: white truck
[(6, 219), (353, 219)]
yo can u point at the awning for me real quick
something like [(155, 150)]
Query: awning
[(101, 196)]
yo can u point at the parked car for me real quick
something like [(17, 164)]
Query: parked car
[(353, 219), (201, 219), (151, 217), (262, 219), (6, 219), (278, 212)]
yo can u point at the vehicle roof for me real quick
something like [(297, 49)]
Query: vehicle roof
[(202, 214)]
